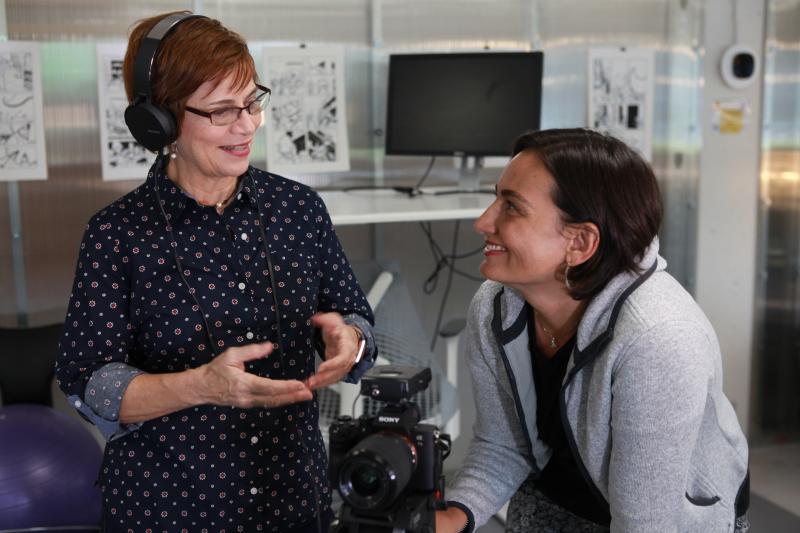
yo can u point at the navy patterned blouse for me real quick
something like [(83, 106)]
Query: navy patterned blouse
[(206, 468)]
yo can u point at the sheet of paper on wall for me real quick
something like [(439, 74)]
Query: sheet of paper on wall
[(621, 86), (306, 120), (22, 143), (730, 116), (121, 156)]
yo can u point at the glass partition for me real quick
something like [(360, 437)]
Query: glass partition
[(776, 366)]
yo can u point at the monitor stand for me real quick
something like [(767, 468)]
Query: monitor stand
[(469, 176)]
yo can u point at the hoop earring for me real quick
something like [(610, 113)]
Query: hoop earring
[(566, 278)]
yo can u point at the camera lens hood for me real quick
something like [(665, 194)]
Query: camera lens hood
[(377, 470)]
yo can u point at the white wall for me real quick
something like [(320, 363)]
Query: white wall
[(727, 203)]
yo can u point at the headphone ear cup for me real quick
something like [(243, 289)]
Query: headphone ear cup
[(152, 126)]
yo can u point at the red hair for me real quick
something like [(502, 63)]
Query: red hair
[(196, 51)]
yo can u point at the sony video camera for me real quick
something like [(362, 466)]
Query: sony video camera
[(388, 468)]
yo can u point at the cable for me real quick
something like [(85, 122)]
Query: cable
[(353, 407), (465, 191), (415, 191), (429, 235), (404, 190), (443, 260), (410, 191), (179, 266), (446, 289)]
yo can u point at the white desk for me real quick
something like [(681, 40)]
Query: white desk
[(386, 205), (375, 206)]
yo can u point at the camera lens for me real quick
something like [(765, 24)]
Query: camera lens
[(375, 472), (366, 480)]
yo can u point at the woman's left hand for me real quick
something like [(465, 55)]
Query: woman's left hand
[(341, 345)]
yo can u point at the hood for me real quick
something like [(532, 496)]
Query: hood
[(595, 319), (597, 314)]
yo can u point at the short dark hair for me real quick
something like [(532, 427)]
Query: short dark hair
[(600, 179)]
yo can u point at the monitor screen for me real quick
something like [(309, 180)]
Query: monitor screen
[(471, 104)]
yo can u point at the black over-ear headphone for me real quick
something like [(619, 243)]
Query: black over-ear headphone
[(154, 127)]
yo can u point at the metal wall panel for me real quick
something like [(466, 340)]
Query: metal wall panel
[(777, 358), (455, 23), (313, 21), (55, 20)]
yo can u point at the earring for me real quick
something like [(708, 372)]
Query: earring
[(173, 151), (566, 278)]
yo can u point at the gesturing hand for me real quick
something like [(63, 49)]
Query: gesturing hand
[(226, 382), (341, 345)]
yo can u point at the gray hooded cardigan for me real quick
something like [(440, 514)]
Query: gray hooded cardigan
[(642, 405)]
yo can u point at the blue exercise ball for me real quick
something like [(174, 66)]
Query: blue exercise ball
[(48, 466)]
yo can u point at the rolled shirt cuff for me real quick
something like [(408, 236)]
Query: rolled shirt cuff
[(103, 399)]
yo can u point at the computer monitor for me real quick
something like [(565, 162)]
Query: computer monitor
[(471, 104)]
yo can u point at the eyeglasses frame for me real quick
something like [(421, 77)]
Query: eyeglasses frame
[(265, 92)]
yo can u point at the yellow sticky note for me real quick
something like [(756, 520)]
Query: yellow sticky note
[(729, 116)]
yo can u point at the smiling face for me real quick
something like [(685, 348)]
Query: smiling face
[(209, 151), (526, 240)]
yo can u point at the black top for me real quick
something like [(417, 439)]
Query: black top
[(560, 480), (208, 467)]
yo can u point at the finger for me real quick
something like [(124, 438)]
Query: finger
[(264, 388), (292, 397), (327, 322), (336, 334), (322, 381), (338, 363), (279, 392), (329, 372), (250, 352)]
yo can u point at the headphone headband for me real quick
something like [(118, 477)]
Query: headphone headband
[(148, 50)]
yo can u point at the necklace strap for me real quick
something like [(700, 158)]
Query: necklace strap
[(550, 333), (227, 200)]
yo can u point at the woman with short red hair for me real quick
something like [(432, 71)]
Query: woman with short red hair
[(199, 300)]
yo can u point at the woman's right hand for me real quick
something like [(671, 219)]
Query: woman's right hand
[(451, 520), (225, 381)]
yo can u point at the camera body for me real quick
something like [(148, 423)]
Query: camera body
[(388, 468)]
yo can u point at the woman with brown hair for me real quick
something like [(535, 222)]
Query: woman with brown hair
[(597, 378)]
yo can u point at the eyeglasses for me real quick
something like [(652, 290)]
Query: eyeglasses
[(229, 115)]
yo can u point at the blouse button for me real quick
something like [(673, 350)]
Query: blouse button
[(253, 440), (241, 286), (249, 334), (253, 491)]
